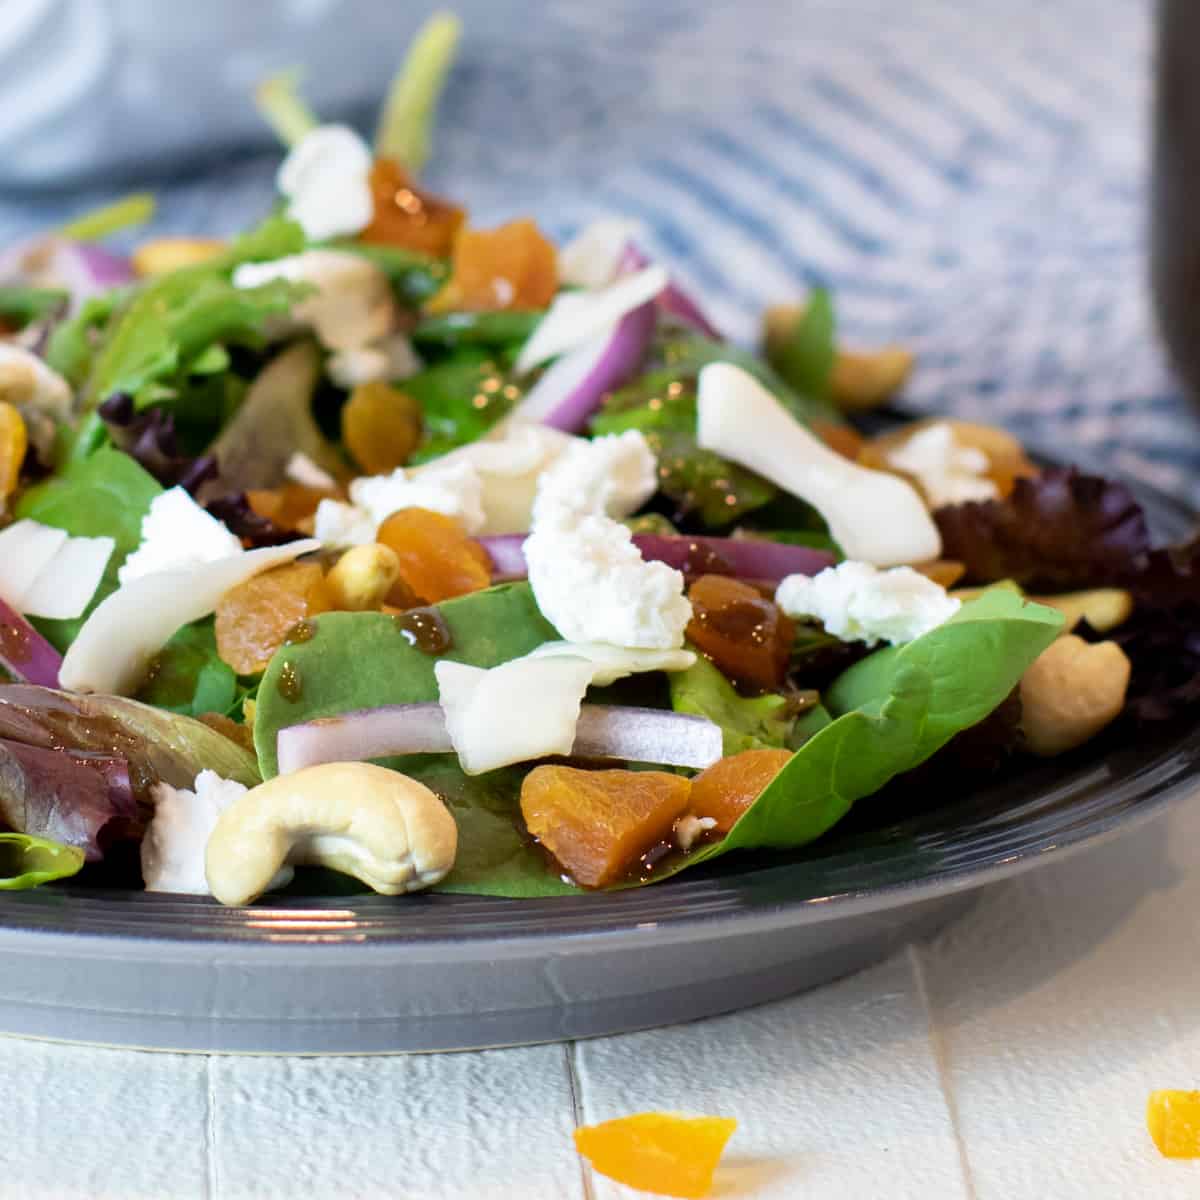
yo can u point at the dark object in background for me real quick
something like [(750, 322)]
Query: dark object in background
[(1175, 256)]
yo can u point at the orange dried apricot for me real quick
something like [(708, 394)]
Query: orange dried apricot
[(291, 506), (664, 1153), (1173, 1118), (745, 635), (726, 789), (945, 572), (13, 444), (235, 731), (437, 559), (514, 266), (381, 427), (598, 824), (406, 215), (254, 618)]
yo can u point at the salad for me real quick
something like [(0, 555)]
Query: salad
[(444, 557)]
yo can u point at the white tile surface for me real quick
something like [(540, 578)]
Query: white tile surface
[(1009, 1060)]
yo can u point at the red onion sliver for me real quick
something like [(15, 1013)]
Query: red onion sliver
[(630, 734), (672, 299), (747, 558), (82, 269), (575, 386), (650, 735), (24, 652)]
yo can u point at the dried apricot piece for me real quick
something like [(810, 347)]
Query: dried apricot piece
[(945, 572), (13, 444), (254, 618), (664, 1153), (598, 824), (437, 559), (726, 789), (844, 439), (745, 635), (406, 215), (291, 506), (1173, 1118), (514, 266), (381, 427)]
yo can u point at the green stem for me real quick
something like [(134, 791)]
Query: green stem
[(282, 107), (129, 211)]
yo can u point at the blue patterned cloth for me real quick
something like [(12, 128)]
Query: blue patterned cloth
[(967, 175)]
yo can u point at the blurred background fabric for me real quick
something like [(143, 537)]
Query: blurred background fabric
[(969, 176)]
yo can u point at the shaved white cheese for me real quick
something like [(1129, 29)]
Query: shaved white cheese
[(327, 180), (592, 258), (858, 603), (115, 645), (46, 573), (65, 586), (352, 305), (26, 549), (610, 663), (178, 534), (387, 360), (576, 317), (875, 517), (524, 709), (948, 471)]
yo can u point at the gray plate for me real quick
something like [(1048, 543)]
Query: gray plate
[(365, 974)]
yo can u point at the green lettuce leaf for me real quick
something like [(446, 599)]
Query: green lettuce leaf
[(761, 723), (804, 355), (26, 861), (106, 495)]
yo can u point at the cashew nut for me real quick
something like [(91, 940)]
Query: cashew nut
[(1102, 608), (1071, 692), (361, 579), (382, 827)]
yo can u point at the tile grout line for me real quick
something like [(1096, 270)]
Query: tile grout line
[(570, 1052), (212, 1184), (938, 1047)]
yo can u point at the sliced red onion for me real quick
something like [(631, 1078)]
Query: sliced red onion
[(631, 734), (746, 558), (673, 299), (649, 735), (575, 386), (80, 268), (24, 653)]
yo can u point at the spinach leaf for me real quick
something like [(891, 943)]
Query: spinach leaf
[(74, 344), (804, 354), (758, 724), (891, 712), (188, 676), (461, 399), (106, 495), (365, 660), (27, 861)]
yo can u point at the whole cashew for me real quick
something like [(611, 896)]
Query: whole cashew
[(1071, 692), (384, 828)]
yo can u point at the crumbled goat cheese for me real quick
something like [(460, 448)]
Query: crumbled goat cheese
[(856, 602), (326, 178), (352, 305), (948, 471), (177, 534), (609, 476), (592, 584)]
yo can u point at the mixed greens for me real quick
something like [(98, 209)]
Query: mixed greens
[(446, 557)]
